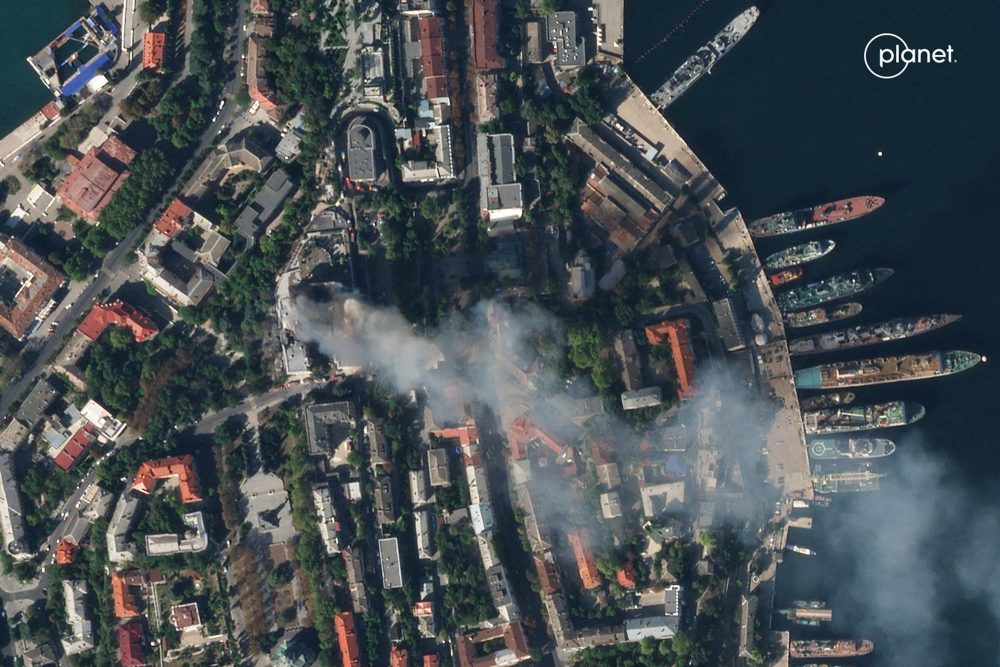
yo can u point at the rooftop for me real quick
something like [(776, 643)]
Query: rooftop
[(479, 648), (153, 47), (347, 639), (569, 47), (180, 468), (579, 539), (675, 332), (392, 573), (130, 644), (96, 178), (117, 313), (26, 283), (184, 616), (328, 426), (484, 35), (173, 219)]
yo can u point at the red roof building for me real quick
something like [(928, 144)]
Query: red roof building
[(579, 539), (626, 576), (523, 433), (466, 435), (51, 111), (548, 575), (676, 334), (66, 552), (479, 648), (181, 467), (184, 616), (347, 638), (124, 603), (154, 46), (173, 219), (75, 447), (96, 178), (130, 641), (399, 657), (257, 82), (484, 35), (119, 314), (26, 283), (432, 57), (430, 660), (260, 7)]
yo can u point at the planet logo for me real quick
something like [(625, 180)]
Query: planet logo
[(887, 55)]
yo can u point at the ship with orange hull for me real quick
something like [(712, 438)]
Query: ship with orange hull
[(788, 275), (803, 219)]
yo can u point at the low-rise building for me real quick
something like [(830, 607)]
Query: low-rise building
[(264, 207), (611, 505), (676, 333), (330, 430), (176, 468), (185, 616), (438, 469), (362, 155), (483, 28), (120, 314), (356, 578), (26, 284), (423, 526), (386, 510), (81, 629), (392, 568), (647, 397), (193, 540), (662, 498), (347, 639), (326, 516), (131, 644), (96, 178), (661, 611), (120, 549), (503, 644), (154, 45), (501, 198), (11, 514), (569, 47), (579, 540)]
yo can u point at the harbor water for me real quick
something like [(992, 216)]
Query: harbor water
[(25, 27), (791, 117)]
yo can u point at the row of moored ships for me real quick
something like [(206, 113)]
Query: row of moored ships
[(832, 417)]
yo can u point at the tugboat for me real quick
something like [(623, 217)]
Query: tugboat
[(788, 275)]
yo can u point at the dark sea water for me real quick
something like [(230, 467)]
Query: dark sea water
[(25, 27), (791, 117)]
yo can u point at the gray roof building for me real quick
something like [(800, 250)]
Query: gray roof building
[(120, 550), (611, 505), (385, 502), (659, 498), (264, 206), (392, 570), (729, 329), (437, 467), (37, 402), (11, 515), (642, 398), (361, 157), (423, 526), (81, 630), (500, 194), (569, 47), (354, 563), (193, 540), (328, 426)]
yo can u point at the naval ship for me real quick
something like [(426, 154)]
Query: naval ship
[(870, 334), (798, 254), (704, 59), (850, 448), (883, 370), (835, 287), (845, 481), (802, 219), (822, 315), (861, 417), (830, 648), (831, 400)]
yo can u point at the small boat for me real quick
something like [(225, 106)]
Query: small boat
[(788, 275)]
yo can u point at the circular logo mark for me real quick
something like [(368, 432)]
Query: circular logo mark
[(884, 55)]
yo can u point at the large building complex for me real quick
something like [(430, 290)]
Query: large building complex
[(26, 283), (96, 178)]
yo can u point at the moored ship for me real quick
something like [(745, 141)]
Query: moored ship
[(851, 448), (704, 59), (836, 287), (830, 648), (804, 616), (802, 219), (799, 254), (870, 334), (822, 315), (788, 275), (850, 481), (862, 417), (883, 370), (804, 551), (831, 400)]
